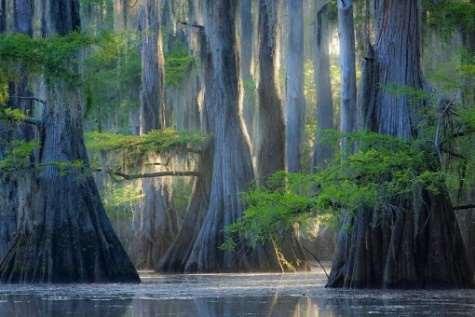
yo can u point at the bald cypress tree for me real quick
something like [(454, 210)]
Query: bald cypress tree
[(420, 245), (65, 235)]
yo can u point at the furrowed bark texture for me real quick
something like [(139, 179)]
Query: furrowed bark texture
[(418, 244), (232, 169), (324, 115), (3, 17), (272, 131), (65, 236), (175, 259), (295, 100), (246, 58), (271, 136), (346, 33), (15, 189), (155, 225)]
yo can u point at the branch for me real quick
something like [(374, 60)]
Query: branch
[(148, 175), (465, 207), (193, 25), (30, 98), (32, 121), (316, 259)]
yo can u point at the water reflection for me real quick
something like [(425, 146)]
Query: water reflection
[(292, 295)]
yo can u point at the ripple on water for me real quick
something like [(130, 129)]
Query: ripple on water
[(280, 295)]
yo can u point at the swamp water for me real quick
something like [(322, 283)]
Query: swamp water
[(228, 295)]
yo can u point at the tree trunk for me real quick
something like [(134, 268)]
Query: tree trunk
[(175, 259), (295, 100), (232, 170), (420, 245), (65, 236), (246, 58), (271, 138), (156, 224), (346, 32), (324, 115), (15, 190), (3, 16)]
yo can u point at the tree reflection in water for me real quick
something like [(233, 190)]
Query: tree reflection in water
[(228, 295)]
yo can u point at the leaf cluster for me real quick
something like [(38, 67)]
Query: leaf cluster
[(17, 156), (154, 141), (448, 15), (383, 171), (178, 63)]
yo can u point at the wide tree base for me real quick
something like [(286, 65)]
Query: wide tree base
[(67, 238), (417, 247)]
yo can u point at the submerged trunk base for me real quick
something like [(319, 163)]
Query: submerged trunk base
[(418, 247)]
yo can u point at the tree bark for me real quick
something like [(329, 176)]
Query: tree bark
[(295, 100), (346, 32), (65, 236), (419, 244), (156, 223), (15, 190), (3, 16), (271, 135), (232, 170), (324, 115), (246, 58)]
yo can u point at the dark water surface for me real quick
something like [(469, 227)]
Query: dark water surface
[(289, 295)]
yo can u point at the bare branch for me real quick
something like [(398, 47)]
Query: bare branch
[(465, 207), (148, 175), (193, 25), (30, 98), (32, 121), (316, 259)]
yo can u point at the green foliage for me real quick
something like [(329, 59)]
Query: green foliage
[(152, 142), (112, 78), (17, 156), (467, 115), (12, 114), (382, 172), (447, 15), (120, 199), (414, 95), (178, 63), (54, 57), (3, 88)]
